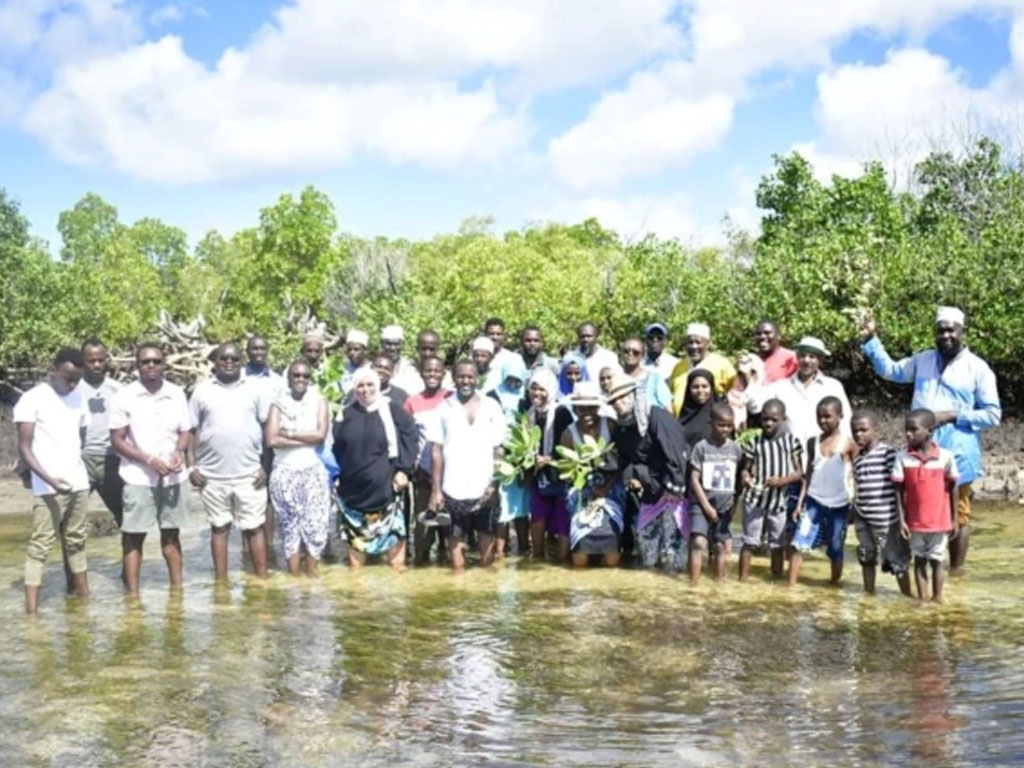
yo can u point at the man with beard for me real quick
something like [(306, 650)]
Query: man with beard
[(960, 388), (403, 373), (355, 351), (595, 356), (531, 349), (699, 355)]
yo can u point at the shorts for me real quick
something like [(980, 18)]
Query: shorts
[(144, 505), (718, 533), (929, 546), (761, 526), (550, 510), (882, 543), (226, 501), (468, 515), (820, 525), (963, 504)]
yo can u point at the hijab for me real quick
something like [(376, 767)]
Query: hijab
[(545, 379), (509, 397), (694, 418), (380, 405), (574, 357)]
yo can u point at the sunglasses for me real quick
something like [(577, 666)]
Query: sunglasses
[(229, 358), (151, 361), (631, 351)]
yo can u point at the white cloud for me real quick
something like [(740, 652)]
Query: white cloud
[(633, 217), (166, 14), (49, 33)]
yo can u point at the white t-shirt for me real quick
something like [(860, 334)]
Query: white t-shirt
[(468, 449), (298, 416), (98, 401), (57, 441)]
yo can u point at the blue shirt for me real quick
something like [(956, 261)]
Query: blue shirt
[(966, 385)]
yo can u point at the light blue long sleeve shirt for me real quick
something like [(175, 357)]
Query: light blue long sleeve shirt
[(965, 385)]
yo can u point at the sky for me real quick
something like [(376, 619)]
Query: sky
[(414, 115)]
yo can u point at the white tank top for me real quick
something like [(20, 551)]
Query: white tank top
[(829, 478)]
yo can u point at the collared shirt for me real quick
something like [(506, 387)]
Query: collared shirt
[(56, 440), (270, 381), (543, 360), (965, 385), (154, 421), (665, 364), (801, 401), (779, 364), (719, 367), (600, 358), (468, 449), (925, 480), (98, 401), (423, 408), (228, 420)]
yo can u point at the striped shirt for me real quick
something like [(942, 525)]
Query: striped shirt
[(776, 456), (876, 494)]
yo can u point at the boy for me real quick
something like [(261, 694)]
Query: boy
[(771, 463), (823, 508), (714, 465), (876, 518), (925, 476)]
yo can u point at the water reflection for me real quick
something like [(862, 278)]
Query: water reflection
[(525, 665)]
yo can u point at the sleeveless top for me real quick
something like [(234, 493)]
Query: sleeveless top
[(829, 478)]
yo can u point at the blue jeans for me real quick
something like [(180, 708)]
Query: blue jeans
[(820, 525)]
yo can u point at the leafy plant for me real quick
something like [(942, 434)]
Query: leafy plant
[(520, 452), (747, 436), (575, 465)]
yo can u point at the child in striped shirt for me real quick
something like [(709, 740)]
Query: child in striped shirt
[(771, 463), (876, 518)]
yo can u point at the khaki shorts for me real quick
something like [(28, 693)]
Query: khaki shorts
[(929, 546), (145, 505), (228, 501), (963, 504)]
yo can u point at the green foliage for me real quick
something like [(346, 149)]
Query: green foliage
[(575, 465), (829, 254), (521, 451)]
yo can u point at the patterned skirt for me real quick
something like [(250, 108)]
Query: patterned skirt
[(372, 533)]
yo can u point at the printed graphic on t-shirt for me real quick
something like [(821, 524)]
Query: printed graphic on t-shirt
[(719, 476), (97, 404)]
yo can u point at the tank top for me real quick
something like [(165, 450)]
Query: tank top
[(829, 478), (298, 416)]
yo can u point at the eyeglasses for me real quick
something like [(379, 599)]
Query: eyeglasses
[(150, 361)]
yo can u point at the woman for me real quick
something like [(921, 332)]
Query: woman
[(514, 501), (695, 415), (595, 526), (747, 393), (296, 425), (573, 370), (548, 513), (375, 443)]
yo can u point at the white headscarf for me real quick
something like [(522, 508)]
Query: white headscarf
[(546, 380), (380, 405)]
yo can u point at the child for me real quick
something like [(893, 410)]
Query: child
[(824, 506), (771, 463), (876, 518), (925, 476), (714, 465)]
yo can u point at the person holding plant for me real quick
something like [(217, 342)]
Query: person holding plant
[(514, 503), (650, 446), (596, 494), (548, 512)]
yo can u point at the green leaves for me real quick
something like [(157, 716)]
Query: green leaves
[(520, 455), (576, 465)]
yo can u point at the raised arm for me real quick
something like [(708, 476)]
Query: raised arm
[(901, 372)]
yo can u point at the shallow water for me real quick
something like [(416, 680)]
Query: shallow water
[(523, 665)]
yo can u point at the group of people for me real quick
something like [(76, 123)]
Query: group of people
[(664, 453)]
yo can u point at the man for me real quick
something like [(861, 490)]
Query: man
[(313, 350), (257, 367), (383, 365), (960, 388), (150, 429), (101, 462), (802, 392), (658, 358), (465, 440), (650, 385), (423, 408), (531, 349), (403, 372), (494, 329), (698, 355), (488, 375), (779, 362), (227, 448), (355, 350), (51, 421), (428, 345), (596, 356)]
